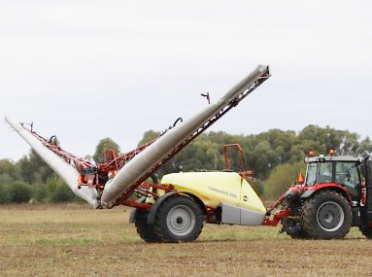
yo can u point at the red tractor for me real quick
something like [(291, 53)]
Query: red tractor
[(335, 194)]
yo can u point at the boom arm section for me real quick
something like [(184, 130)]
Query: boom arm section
[(118, 189), (135, 166), (59, 163)]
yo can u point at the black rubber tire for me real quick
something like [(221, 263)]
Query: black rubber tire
[(146, 231), (366, 231), (326, 215), (179, 219), (294, 229)]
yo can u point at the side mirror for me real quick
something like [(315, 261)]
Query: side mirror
[(300, 178)]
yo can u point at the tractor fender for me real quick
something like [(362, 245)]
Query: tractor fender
[(332, 186), (155, 207), (307, 194)]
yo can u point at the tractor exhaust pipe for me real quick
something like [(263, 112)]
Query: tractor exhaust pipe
[(165, 145)]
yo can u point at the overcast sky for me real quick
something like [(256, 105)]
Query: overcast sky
[(87, 70)]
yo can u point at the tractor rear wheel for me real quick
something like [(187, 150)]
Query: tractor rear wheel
[(179, 218), (326, 215), (146, 231)]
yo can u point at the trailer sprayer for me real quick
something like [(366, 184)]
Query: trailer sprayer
[(177, 208)]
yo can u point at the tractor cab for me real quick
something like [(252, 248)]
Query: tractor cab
[(339, 170)]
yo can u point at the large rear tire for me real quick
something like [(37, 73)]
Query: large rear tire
[(146, 231), (326, 215), (179, 219)]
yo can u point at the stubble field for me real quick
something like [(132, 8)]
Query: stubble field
[(74, 240)]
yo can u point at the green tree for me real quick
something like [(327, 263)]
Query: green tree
[(365, 146), (201, 154), (342, 141), (104, 144), (40, 192), (33, 169), (263, 159), (20, 191), (57, 191), (6, 166), (148, 136), (263, 152), (281, 178), (5, 178), (8, 169)]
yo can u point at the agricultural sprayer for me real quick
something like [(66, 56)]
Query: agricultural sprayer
[(177, 208)]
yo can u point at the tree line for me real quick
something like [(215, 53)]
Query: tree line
[(270, 154), (275, 156)]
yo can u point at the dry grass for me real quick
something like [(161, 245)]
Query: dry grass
[(73, 240)]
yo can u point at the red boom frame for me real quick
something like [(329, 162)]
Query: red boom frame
[(97, 175)]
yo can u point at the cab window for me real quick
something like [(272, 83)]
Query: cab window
[(311, 174), (324, 172), (347, 175), (318, 173)]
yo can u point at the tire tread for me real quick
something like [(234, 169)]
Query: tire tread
[(161, 216), (308, 217)]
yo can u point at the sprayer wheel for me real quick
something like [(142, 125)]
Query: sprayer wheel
[(178, 219), (146, 231)]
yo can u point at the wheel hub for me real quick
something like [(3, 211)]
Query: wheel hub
[(181, 220), (330, 216)]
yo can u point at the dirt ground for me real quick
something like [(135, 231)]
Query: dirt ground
[(74, 240)]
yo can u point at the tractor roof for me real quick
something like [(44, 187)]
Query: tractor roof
[(332, 159)]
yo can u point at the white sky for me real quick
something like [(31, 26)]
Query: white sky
[(86, 70)]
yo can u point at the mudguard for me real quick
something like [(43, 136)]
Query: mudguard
[(311, 190)]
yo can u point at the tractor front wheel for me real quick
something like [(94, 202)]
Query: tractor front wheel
[(326, 215), (367, 231), (179, 218), (294, 229)]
